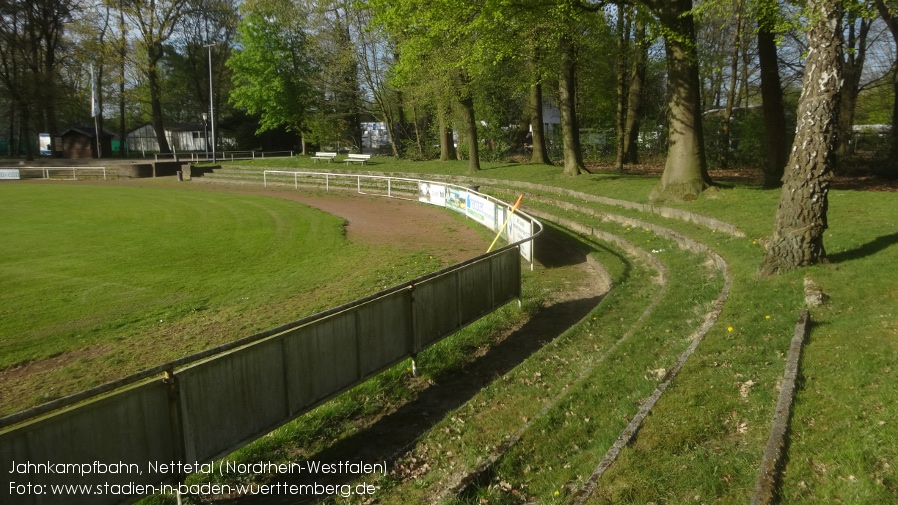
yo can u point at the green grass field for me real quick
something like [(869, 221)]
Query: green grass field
[(108, 280), (704, 439)]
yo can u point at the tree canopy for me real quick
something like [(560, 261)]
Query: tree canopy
[(271, 67)]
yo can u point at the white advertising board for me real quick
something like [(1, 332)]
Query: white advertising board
[(9, 173), (432, 193), (43, 141), (457, 200), (520, 229), (482, 210)]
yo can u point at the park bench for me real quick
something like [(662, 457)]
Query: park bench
[(324, 156), (357, 158)]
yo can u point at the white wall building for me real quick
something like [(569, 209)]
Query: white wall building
[(184, 137)]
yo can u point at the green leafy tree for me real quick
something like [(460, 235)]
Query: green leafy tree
[(271, 68)]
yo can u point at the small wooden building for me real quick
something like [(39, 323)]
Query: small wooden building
[(81, 142)]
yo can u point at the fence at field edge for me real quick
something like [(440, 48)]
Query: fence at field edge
[(45, 171), (206, 407), (516, 228), (200, 156)]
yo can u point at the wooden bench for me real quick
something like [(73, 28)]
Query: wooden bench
[(357, 158), (324, 156)]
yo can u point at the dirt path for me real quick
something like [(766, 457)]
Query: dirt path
[(391, 435), (381, 220)]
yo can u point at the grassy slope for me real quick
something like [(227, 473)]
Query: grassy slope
[(704, 441)]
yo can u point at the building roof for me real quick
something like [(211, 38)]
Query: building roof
[(87, 131)]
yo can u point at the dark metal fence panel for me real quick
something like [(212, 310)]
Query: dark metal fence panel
[(133, 427), (436, 309), (474, 291), (232, 398), (322, 359), (385, 332), (506, 276)]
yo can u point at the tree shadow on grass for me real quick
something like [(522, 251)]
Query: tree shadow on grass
[(868, 249)]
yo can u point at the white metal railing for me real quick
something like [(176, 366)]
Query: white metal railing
[(194, 156), (45, 171), (402, 187), (251, 155)]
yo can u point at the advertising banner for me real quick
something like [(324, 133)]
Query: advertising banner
[(434, 194), (43, 141), (457, 200), (482, 210), (9, 173), (520, 229)]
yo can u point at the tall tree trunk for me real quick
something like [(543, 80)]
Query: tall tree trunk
[(776, 146), (154, 55), (623, 42), (402, 133), (467, 106), (447, 139), (801, 215), (888, 15), (724, 160), (570, 128), (686, 171), (540, 152), (852, 69), (123, 54), (634, 99), (11, 129), (419, 138), (25, 131)]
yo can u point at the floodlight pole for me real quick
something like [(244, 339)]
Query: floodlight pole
[(211, 105)]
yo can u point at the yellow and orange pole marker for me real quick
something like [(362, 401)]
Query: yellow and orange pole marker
[(507, 219)]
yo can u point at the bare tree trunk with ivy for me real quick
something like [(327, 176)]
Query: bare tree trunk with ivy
[(634, 100), (801, 215)]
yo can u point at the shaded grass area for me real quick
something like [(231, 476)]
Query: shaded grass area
[(706, 436), (109, 280)]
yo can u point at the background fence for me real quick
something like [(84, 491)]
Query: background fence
[(122, 443), (490, 212)]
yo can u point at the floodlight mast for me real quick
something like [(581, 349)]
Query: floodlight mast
[(211, 105)]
